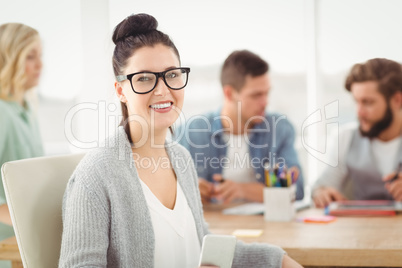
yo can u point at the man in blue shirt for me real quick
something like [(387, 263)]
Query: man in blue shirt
[(231, 145)]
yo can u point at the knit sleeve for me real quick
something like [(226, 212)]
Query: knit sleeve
[(85, 238), (257, 255), (246, 255)]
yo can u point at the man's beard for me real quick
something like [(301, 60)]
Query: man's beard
[(379, 126)]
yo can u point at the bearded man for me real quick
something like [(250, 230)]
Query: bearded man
[(370, 152)]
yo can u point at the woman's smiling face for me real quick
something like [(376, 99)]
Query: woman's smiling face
[(161, 107)]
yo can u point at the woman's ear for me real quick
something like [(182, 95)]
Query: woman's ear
[(119, 92)]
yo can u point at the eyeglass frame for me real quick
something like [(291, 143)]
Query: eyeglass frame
[(121, 78)]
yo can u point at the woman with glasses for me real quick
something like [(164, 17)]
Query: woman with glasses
[(20, 69), (134, 202)]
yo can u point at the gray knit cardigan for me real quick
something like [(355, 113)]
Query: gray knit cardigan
[(106, 221)]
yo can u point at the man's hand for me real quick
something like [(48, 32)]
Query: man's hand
[(227, 190), (295, 171), (394, 187), (325, 195), (206, 190)]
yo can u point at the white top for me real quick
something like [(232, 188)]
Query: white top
[(237, 166), (334, 176), (176, 239), (384, 152)]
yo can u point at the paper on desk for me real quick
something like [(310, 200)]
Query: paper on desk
[(258, 208), (247, 232), (245, 209)]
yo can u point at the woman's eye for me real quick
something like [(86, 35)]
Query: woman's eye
[(171, 75), (144, 79)]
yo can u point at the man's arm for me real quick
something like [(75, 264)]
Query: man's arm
[(288, 153), (393, 183), (328, 186), (227, 190), (206, 190), (323, 196)]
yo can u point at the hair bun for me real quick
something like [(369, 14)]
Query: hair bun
[(134, 25)]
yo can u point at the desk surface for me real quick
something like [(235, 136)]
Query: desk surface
[(349, 241)]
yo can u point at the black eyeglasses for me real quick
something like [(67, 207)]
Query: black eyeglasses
[(145, 82)]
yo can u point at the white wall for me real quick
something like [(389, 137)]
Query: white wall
[(77, 50), (60, 27)]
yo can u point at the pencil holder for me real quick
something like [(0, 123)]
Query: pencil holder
[(279, 203)]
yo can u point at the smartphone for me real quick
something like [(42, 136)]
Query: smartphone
[(218, 250)]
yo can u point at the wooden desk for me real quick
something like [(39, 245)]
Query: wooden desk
[(9, 251), (349, 241)]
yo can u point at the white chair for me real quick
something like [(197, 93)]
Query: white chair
[(34, 190)]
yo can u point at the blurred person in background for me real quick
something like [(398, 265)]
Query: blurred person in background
[(370, 153), (231, 145), (20, 69)]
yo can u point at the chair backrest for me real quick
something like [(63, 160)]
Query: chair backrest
[(34, 190)]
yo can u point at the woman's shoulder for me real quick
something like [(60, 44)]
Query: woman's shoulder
[(104, 161), (10, 110), (6, 118), (5, 109)]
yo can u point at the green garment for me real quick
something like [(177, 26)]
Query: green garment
[(19, 135)]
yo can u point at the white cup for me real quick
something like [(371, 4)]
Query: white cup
[(279, 203)]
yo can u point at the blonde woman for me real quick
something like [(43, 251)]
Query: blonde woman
[(20, 69)]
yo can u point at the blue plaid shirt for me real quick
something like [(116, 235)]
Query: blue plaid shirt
[(271, 140)]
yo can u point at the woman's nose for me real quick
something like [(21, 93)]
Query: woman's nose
[(161, 88)]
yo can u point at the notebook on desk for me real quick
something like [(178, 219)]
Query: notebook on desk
[(364, 208)]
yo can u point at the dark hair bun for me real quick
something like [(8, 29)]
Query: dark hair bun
[(134, 25)]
